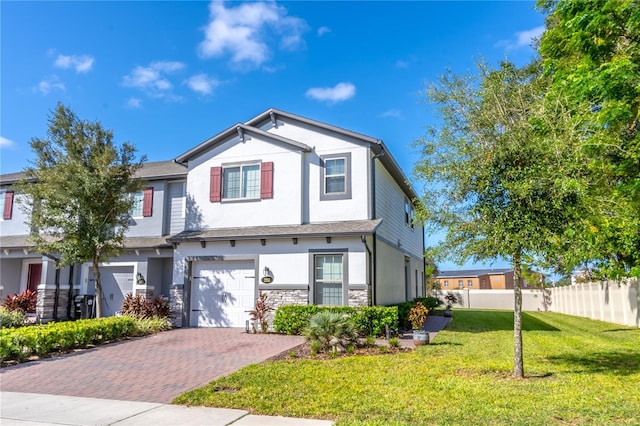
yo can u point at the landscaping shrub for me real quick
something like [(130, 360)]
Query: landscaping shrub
[(20, 343), (12, 318), (333, 331), (141, 307), (24, 302), (368, 320), (431, 303), (261, 311)]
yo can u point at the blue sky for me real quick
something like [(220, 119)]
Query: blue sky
[(167, 75)]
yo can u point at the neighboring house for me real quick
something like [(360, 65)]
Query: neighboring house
[(160, 211), (476, 279), (305, 211)]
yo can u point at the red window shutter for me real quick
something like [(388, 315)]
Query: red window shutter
[(215, 190), (147, 202), (8, 205), (266, 180)]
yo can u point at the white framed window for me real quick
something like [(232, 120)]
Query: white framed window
[(138, 202), (446, 283), (328, 271), (460, 284), (469, 283), (241, 181), (409, 214), (335, 179)]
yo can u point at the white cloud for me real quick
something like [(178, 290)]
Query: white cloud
[(49, 84), (243, 31), (521, 38), (323, 30), (6, 143), (340, 92), (134, 103), (81, 63), (392, 113), (202, 83), (402, 64), (153, 79)]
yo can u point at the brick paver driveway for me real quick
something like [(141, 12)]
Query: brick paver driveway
[(151, 369)]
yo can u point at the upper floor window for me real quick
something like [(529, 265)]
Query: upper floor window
[(241, 181), (136, 208), (460, 283), (142, 203), (483, 283), (335, 180), (446, 283), (469, 283), (409, 214), (250, 181)]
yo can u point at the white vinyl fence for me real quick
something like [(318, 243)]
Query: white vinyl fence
[(605, 301), (610, 301)]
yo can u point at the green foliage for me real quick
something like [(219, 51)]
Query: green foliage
[(591, 53), (581, 372), (261, 312), (369, 320), (333, 331), (75, 193), (403, 309), (24, 302), (151, 325), (20, 343), (12, 318), (141, 307), (418, 315), (394, 342)]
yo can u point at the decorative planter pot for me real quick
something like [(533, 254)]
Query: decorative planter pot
[(420, 337)]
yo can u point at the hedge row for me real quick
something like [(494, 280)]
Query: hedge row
[(20, 343), (369, 320)]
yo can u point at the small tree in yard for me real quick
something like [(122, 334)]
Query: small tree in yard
[(498, 176), (76, 192)]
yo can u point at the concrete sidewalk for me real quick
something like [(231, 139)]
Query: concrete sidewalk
[(38, 409)]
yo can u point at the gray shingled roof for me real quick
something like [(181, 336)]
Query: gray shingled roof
[(150, 171), (21, 241), (353, 227), (472, 272), (161, 170)]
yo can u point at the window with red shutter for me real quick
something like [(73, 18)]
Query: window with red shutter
[(147, 203), (266, 180), (215, 189)]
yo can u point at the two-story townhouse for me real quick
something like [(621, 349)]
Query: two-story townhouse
[(307, 212), (145, 267), (476, 279)]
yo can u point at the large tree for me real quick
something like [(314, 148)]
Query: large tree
[(591, 54), (77, 192), (497, 176)]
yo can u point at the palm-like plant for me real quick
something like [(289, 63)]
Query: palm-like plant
[(331, 331)]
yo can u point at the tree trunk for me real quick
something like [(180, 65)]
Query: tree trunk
[(518, 362), (98, 299)]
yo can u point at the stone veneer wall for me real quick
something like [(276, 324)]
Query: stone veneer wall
[(279, 298), (358, 298), (176, 301), (45, 303)]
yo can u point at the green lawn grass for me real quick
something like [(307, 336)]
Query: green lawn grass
[(578, 371)]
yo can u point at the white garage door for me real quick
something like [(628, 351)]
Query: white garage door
[(117, 282), (221, 293)]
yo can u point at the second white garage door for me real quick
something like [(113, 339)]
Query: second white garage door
[(221, 293)]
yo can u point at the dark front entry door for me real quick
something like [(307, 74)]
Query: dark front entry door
[(34, 277)]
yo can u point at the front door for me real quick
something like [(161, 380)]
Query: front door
[(34, 276), (117, 282), (222, 293)]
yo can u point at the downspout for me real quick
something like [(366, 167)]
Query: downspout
[(374, 266), (366, 246), (70, 297)]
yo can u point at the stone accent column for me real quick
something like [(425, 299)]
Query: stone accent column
[(46, 301), (358, 298), (176, 301)]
